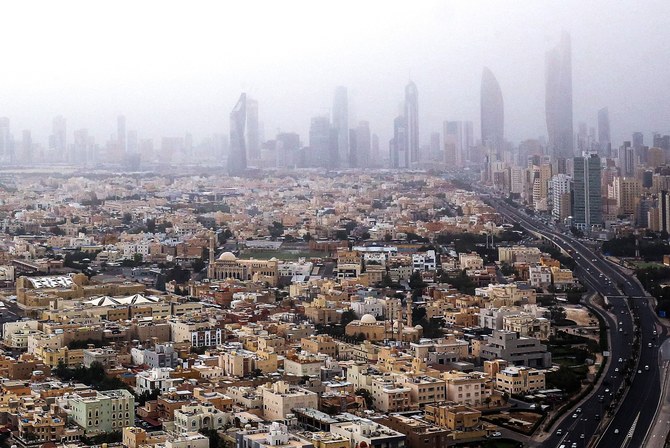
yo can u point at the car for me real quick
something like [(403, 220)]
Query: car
[(620, 329), (620, 359), (616, 431), (607, 391), (496, 434), (646, 367), (597, 416), (616, 370), (578, 410), (581, 436), (574, 416), (574, 445), (639, 371), (649, 345), (559, 431)]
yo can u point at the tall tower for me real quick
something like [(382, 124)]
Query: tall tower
[(412, 122), (121, 133), (409, 312), (363, 144), (587, 206), (492, 111), (253, 136), (237, 158), (604, 138), (558, 99), (398, 145), (319, 143), (58, 138), (341, 125)]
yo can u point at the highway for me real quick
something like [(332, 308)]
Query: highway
[(633, 409)]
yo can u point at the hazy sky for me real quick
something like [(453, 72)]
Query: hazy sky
[(173, 67)]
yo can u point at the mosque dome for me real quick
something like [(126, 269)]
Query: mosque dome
[(227, 256), (368, 319)]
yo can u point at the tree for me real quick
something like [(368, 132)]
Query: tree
[(151, 225), (388, 237), (307, 237), (276, 229), (127, 218), (348, 316), (416, 281), (556, 314), (366, 396)]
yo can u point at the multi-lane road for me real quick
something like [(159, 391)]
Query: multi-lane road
[(630, 389)]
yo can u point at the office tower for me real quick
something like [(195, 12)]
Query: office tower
[(319, 144), (80, 147), (398, 153), (626, 159), (58, 138), (341, 124), (492, 111), (353, 150), (663, 211), (362, 144), (375, 155), (287, 146), (604, 138), (27, 147), (560, 189), (583, 144), (412, 122), (647, 178), (5, 138), (253, 136), (662, 141), (627, 192), (132, 142), (237, 159), (435, 147), (453, 143), (587, 209), (468, 140), (655, 157), (558, 99), (121, 133), (638, 140)]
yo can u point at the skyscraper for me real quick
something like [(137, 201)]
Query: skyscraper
[(453, 143), (412, 122), (121, 133), (341, 125), (363, 144), (253, 136), (604, 138), (58, 138), (399, 156), (319, 143), (492, 111), (27, 147), (237, 158), (5, 138), (558, 99), (587, 207)]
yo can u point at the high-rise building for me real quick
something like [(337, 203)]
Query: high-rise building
[(319, 144), (288, 144), (253, 136), (558, 99), (664, 211), (662, 141), (412, 122), (121, 133), (468, 140), (5, 139), (626, 159), (560, 189), (363, 144), (341, 125), (237, 159), (604, 138), (453, 143), (586, 207), (375, 155), (58, 138), (435, 146), (80, 147), (627, 191), (492, 111), (27, 147), (132, 142), (398, 153)]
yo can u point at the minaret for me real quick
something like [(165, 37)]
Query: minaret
[(212, 247), (399, 320), (409, 312)]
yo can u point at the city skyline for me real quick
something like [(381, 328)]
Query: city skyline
[(166, 95)]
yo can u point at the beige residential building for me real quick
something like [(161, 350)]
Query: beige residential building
[(425, 390), (320, 344), (280, 398), (520, 380), (465, 388)]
